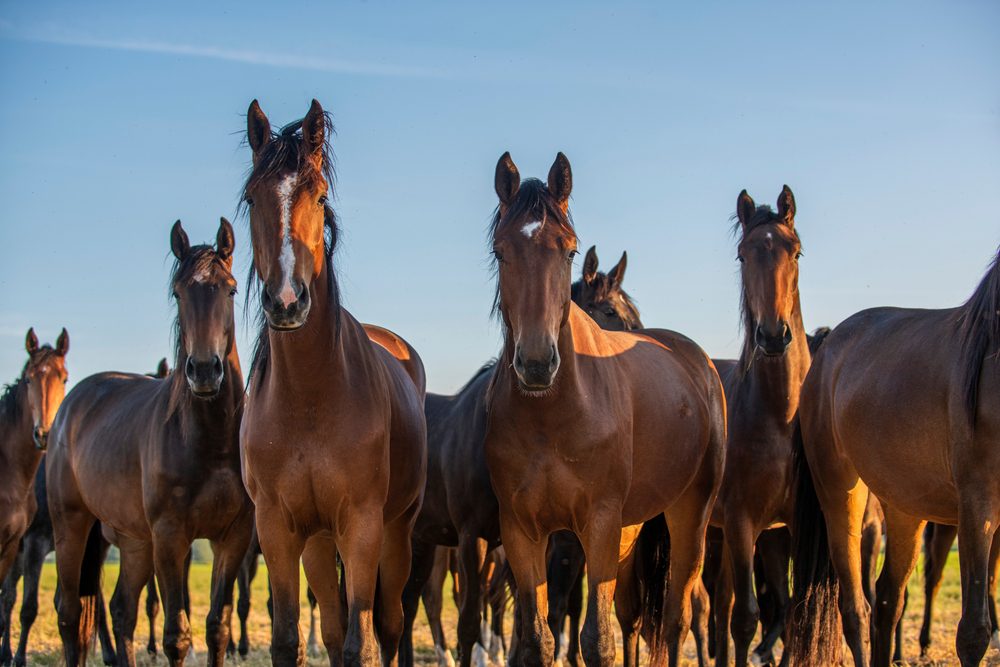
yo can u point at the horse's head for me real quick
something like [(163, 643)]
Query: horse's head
[(287, 197), (162, 370), (602, 297), (534, 244), (204, 287), (769, 252), (46, 376)]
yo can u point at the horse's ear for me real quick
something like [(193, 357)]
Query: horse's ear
[(62, 343), (224, 241), (179, 243), (617, 274), (162, 369), (507, 181), (314, 131), (31, 341), (590, 265), (561, 181), (745, 208), (258, 128), (786, 206)]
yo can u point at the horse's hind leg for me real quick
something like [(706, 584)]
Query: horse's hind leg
[(152, 611), (72, 529), (974, 551), (687, 520), (575, 609), (394, 570), (992, 588), (136, 569), (471, 557), (227, 559), (773, 546), (35, 551), (420, 574), (700, 613), (722, 604), (245, 580), (902, 545), (938, 539), (432, 593), (628, 608)]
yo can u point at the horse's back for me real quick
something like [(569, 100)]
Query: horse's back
[(402, 351), (877, 403)]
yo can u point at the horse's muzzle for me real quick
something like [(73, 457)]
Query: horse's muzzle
[(772, 345), (286, 316), (536, 374), (204, 377), (41, 438)]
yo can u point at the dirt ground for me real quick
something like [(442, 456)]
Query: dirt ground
[(44, 648)]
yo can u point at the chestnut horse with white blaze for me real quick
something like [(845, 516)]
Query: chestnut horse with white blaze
[(334, 439), (171, 449), (591, 431)]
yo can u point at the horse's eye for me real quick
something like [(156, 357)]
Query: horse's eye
[(798, 254), (740, 258), (176, 296), (571, 255), (322, 200), (249, 201), (498, 255), (232, 292), (610, 312)]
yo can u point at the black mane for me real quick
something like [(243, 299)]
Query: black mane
[(979, 331)]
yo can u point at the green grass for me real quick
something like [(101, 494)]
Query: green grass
[(45, 649)]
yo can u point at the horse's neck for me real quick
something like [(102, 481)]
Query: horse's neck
[(777, 381), (17, 449), (315, 356)]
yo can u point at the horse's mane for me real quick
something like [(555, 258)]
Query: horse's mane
[(533, 202), (762, 216), (979, 332), (200, 258), (10, 406), (281, 154), (604, 291)]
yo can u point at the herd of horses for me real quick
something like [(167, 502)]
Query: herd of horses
[(686, 489)]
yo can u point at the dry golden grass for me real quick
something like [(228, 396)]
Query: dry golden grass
[(45, 649)]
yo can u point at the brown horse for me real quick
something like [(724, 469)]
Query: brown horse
[(591, 431), (762, 392), (171, 446), (931, 373), (27, 408), (334, 437)]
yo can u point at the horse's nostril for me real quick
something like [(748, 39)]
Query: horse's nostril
[(217, 365), (189, 367)]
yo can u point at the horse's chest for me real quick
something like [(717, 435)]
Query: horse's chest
[(209, 503)]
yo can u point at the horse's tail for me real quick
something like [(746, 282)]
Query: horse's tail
[(652, 569), (813, 617), (90, 584)]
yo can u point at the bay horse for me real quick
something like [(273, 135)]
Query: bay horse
[(591, 431), (762, 392), (334, 437), (27, 409), (172, 448), (934, 372)]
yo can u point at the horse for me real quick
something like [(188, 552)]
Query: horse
[(172, 448), (334, 436), (459, 510), (27, 408), (762, 393), (938, 540), (591, 431), (932, 371)]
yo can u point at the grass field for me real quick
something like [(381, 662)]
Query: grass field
[(44, 648)]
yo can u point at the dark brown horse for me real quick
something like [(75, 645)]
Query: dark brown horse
[(27, 408), (334, 437), (762, 392), (591, 431), (934, 372), (171, 447)]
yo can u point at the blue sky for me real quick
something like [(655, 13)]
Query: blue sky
[(118, 118)]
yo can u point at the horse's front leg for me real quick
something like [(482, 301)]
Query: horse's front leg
[(526, 556), (170, 548), (601, 542), (227, 559)]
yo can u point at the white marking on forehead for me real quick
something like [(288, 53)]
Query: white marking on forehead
[(769, 236), (286, 188), (531, 229), (203, 275)]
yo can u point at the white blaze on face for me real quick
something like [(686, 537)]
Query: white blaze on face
[(202, 276), (286, 190), (531, 229)]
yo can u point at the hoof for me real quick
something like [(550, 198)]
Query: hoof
[(756, 660), (444, 658), (313, 649), (480, 658)]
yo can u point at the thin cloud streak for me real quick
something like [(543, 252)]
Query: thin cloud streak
[(282, 60)]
